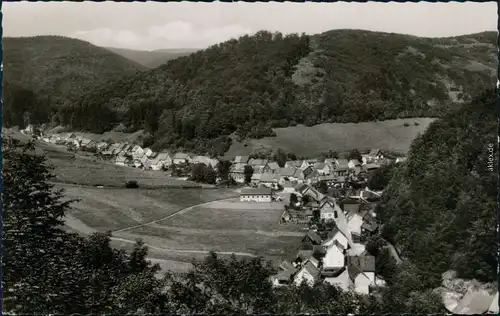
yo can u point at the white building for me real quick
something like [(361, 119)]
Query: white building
[(256, 195), (309, 273)]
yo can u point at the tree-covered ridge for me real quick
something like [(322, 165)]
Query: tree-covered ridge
[(61, 69), (269, 80), (439, 208)]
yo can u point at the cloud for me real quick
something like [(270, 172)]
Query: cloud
[(184, 32), (176, 34), (109, 37)]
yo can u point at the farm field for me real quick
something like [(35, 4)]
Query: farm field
[(390, 135), (113, 209), (224, 226), (76, 168)]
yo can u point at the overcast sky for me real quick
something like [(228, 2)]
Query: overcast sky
[(153, 25)]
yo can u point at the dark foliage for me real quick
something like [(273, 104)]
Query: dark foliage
[(250, 85), (55, 71), (379, 179), (132, 184), (439, 208)]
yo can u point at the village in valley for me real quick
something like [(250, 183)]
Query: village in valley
[(327, 198)]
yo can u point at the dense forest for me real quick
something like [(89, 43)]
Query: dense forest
[(247, 86), (57, 71), (47, 270), (440, 206)]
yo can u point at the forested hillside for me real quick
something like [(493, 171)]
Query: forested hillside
[(440, 207), (151, 59), (56, 71), (250, 85)]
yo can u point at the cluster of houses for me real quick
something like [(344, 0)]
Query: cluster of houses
[(335, 253), (332, 173), (125, 154)]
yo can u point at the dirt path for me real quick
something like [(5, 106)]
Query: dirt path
[(180, 212), (81, 227)]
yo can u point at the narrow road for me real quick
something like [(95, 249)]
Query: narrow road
[(179, 212), (394, 251)]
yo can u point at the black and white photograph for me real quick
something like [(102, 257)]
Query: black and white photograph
[(249, 158)]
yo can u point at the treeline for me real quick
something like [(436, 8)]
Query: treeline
[(50, 271), (439, 206), (250, 85)]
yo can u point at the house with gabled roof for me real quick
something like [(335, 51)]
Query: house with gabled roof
[(311, 239), (237, 172), (102, 146), (119, 149), (339, 278), (148, 152), (241, 159), (322, 168), (161, 161), (273, 167), (269, 180), (181, 158), (309, 273), (255, 179), (361, 272), (307, 163), (313, 177), (293, 164), (305, 189), (353, 163), (258, 165), (122, 160), (334, 259), (282, 278)]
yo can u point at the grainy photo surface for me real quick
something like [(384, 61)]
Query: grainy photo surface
[(249, 158)]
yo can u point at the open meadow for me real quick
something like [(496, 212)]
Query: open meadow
[(84, 169), (390, 135), (113, 209)]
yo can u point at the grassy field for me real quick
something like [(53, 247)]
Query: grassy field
[(112, 209), (223, 226), (389, 135), (84, 169)]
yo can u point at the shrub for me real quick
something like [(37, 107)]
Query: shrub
[(406, 124), (131, 184), (417, 123)]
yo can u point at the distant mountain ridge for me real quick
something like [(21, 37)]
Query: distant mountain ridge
[(152, 58), (246, 87), (60, 67)]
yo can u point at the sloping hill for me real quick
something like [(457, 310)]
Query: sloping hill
[(311, 141), (151, 59), (439, 208), (62, 69), (249, 85)]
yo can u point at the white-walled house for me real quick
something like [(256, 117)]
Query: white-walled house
[(309, 274), (353, 163), (181, 158), (335, 257), (342, 280), (362, 272), (354, 223), (121, 161), (237, 172), (148, 152), (256, 195), (337, 236)]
